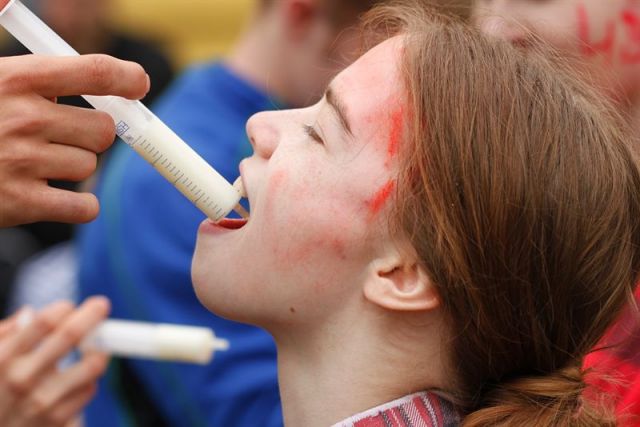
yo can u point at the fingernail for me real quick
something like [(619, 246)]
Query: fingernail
[(148, 83)]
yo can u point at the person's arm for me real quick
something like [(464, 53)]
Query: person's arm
[(41, 140), (33, 392)]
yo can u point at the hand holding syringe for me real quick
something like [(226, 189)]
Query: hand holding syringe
[(136, 125)]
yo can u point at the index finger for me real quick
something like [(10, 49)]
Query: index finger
[(94, 74)]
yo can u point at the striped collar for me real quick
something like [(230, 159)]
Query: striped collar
[(423, 409)]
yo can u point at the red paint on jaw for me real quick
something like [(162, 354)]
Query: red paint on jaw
[(377, 202)]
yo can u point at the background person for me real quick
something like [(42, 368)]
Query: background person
[(602, 42)]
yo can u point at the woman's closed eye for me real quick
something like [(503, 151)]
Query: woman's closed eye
[(312, 133)]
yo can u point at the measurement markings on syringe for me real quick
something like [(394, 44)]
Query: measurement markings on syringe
[(178, 178)]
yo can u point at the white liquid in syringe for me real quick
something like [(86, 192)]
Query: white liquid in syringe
[(170, 156)]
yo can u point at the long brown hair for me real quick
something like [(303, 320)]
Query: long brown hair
[(521, 196)]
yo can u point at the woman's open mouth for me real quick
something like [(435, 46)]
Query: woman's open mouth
[(232, 223)]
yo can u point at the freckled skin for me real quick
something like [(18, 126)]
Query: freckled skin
[(311, 233)]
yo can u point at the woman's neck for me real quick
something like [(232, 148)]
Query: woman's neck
[(350, 367)]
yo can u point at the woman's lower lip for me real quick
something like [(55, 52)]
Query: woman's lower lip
[(224, 225)]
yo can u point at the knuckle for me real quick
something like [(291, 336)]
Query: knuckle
[(55, 419), (14, 80), (19, 158), (84, 166), (38, 404), (71, 335), (44, 324), (94, 368), (100, 71), (27, 120), (106, 131), (18, 383)]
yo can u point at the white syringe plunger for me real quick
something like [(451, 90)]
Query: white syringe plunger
[(155, 341), (135, 124)]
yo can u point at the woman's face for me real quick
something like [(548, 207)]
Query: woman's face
[(319, 185), (603, 35)]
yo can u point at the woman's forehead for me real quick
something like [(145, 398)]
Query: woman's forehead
[(372, 85)]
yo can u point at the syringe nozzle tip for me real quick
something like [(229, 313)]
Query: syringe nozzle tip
[(241, 211), (220, 344)]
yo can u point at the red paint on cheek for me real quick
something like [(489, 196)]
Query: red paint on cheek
[(377, 202), (275, 185), (339, 248), (591, 47)]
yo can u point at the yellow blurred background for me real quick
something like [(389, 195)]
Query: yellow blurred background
[(186, 30)]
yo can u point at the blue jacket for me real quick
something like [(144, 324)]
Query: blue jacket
[(138, 253)]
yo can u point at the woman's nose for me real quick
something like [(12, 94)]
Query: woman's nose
[(263, 134)]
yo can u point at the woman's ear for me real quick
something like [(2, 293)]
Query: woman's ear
[(397, 282), (299, 16)]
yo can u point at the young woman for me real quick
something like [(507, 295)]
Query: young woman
[(602, 40), (441, 239)]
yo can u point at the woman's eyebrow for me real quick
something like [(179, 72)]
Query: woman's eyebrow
[(336, 103)]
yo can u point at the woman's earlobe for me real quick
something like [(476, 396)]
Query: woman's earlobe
[(401, 286)]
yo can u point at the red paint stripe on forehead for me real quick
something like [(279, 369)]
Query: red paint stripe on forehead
[(395, 135)]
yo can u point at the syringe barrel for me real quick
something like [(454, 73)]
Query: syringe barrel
[(135, 124), (153, 341), (143, 131)]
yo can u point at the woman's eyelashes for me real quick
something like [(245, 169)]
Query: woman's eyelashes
[(313, 134)]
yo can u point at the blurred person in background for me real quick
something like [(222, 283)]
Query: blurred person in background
[(139, 251), (601, 39), (84, 25)]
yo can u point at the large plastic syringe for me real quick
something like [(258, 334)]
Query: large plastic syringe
[(157, 341), (136, 125)]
